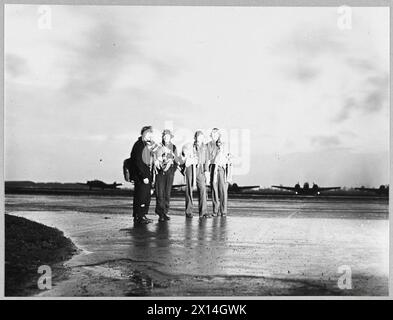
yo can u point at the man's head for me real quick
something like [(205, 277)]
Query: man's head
[(167, 136), (215, 134), (146, 133), (199, 137)]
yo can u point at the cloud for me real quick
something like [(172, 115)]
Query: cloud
[(360, 64), (314, 53), (325, 141), (348, 134), (97, 63), (305, 51), (305, 72), (313, 43), (373, 98), (15, 65)]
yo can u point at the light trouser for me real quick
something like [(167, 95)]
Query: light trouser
[(164, 182), (219, 187), (142, 198), (201, 188)]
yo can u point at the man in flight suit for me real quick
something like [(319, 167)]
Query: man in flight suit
[(218, 157), (196, 173), (168, 161)]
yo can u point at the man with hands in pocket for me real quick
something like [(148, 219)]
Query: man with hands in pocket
[(143, 162)]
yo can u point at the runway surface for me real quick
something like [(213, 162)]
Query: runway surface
[(264, 247)]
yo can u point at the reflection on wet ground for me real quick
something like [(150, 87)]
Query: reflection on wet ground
[(254, 252)]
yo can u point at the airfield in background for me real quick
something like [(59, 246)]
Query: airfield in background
[(97, 187)]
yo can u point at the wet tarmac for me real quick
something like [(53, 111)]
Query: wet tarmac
[(264, 247)]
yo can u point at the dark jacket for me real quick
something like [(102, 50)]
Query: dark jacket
[(139, 153)]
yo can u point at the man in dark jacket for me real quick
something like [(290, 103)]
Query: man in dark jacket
[(142, 175)]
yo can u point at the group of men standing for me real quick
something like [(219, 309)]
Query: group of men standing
[(155, 165)]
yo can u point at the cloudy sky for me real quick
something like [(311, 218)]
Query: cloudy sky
[(298, 98)]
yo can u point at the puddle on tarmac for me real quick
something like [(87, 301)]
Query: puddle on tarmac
[(140, 283), (144, 285), (106, 272)]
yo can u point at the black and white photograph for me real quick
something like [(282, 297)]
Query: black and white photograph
[(196, 150)]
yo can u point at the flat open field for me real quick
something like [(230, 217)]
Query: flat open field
[(264, 247)]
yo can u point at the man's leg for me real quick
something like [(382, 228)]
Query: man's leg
[(170, 175), (189, 201), (214, 190), (136, 203), (160, 194), (223, 191), (141, 201), (202, 194), (146, 197)]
